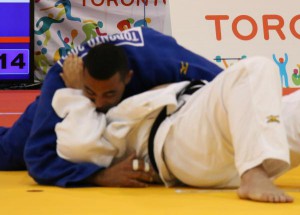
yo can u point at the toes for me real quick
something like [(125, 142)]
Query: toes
[(276, 198), (267, 197), (289, 199), (283, 198)]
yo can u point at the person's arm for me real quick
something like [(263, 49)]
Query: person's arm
[(40, 150), (275, 59), (286, 58), (122, 175), (46, 167)]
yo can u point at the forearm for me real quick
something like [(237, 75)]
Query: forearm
[(40, 155)]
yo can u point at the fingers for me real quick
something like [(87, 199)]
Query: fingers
[(136, 183), (140, 165), (142, 171), (73, 63), (142, 176), (72, 72), (72, 60), (139, 171), (130, 172), (136, 179)]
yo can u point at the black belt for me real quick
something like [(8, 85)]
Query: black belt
[(189, 89)]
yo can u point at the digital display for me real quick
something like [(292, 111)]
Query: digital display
[(16, 18)]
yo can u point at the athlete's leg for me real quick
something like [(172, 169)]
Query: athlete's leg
[(252, 97), (291, 118), (233, 123)]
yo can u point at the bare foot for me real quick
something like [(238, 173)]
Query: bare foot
[(256, 185)]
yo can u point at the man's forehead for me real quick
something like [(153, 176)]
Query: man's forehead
[(115, 77), (101, 86)]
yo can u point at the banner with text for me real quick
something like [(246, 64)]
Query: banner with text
[(230, 30), (61, 25)]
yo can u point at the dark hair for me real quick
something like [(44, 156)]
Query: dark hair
[(105, 60)]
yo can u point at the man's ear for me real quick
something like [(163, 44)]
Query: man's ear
[(128, 76)]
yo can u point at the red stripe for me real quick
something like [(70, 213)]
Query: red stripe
[(14, 39)]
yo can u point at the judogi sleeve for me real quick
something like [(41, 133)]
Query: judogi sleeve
[(80, 135), (42, 161)]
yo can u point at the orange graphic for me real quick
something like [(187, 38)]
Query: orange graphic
[(14, 39)]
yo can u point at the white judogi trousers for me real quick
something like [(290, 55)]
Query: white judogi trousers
[(229, 126)]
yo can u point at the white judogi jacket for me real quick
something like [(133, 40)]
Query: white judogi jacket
[(220, 132), (87, 136)]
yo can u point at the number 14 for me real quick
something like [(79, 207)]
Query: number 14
[(17, 61)]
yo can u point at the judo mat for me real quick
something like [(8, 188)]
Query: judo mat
[(19, 194)]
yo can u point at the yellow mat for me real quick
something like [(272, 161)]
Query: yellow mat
[(19, 194)]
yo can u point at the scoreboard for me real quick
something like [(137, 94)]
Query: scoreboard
[(16, 41)]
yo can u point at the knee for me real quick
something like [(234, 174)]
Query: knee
[(259, 72), (263, 69), (261, 65)]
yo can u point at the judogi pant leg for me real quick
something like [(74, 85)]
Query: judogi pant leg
[(291, 117), (12, 140), (228, 127)]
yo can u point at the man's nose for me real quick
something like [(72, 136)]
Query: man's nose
[(100, 102)]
